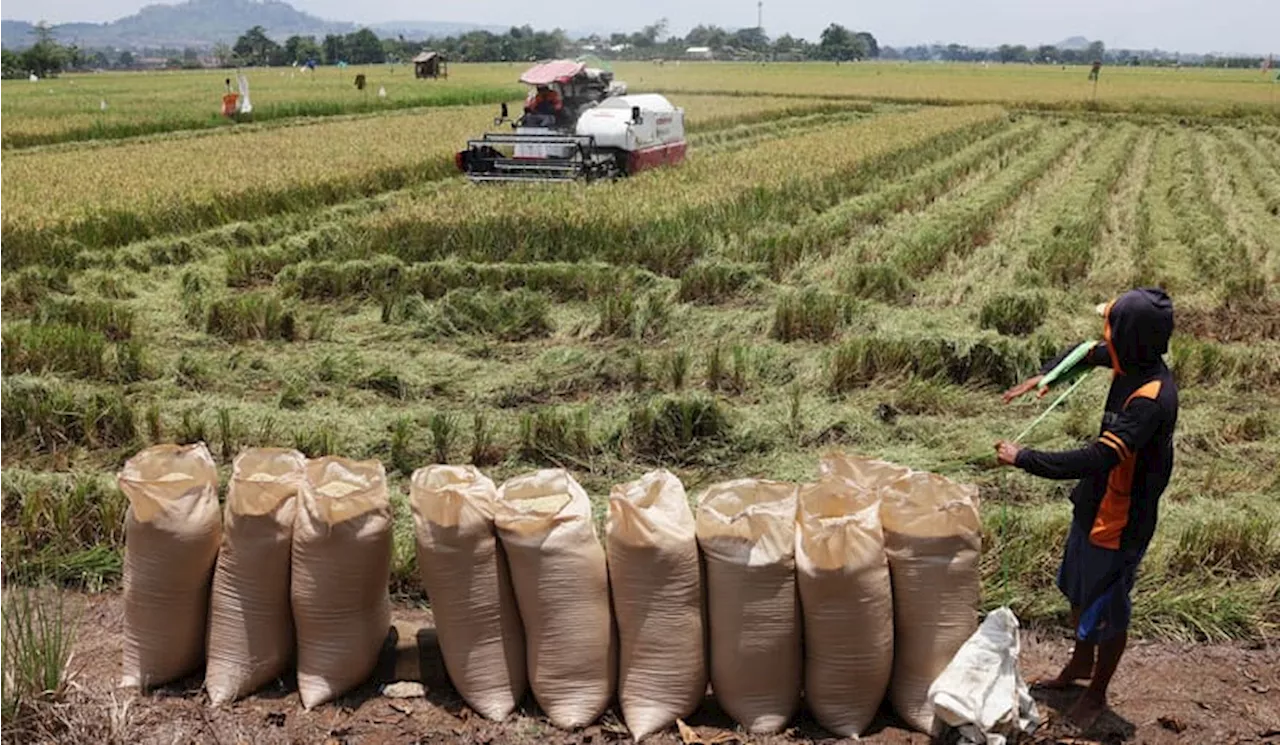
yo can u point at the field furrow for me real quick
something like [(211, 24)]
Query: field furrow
[(955, 226), (1114, 262)]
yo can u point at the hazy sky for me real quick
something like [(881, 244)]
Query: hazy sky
[(1177, 25)]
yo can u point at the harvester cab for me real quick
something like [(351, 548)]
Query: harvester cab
[(577, 123)]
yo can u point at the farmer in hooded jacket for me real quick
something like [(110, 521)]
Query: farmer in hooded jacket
[(1121, 477)]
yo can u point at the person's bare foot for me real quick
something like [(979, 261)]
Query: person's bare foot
[(1087, 710), (1072, 673)]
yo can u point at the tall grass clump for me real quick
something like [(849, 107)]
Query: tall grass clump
[(627, 315), (995, 362), (810, 314), (39, 634), (252, 315), (1239, 545), (67, 529), (55, 347), (25, 287), (114, 320), (255, 265), (711, 282), (1014, 314), (49, 417), (877, 281), (444, 435), (557, 436), (676, 429), (507, 316)]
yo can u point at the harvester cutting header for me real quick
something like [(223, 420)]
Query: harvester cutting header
[(578, 124)]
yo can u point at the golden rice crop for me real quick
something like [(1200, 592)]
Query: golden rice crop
[(70, 107), (44, 188), (657, 219)]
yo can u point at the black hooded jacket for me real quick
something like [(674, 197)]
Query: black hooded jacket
[(1124, 472)]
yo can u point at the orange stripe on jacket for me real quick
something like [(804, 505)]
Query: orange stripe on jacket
[(1113, 513)]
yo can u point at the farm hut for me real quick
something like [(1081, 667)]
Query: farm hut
[(430, 65)]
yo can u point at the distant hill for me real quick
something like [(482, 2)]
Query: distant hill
[(419, 30), (195, 23), (1074, 43)]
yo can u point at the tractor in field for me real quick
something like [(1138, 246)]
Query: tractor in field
[(578, 123)]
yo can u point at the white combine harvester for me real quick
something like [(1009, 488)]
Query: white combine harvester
[(596, 131)]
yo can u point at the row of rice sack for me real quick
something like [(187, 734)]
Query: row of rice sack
[(525, 558), (296, 569)]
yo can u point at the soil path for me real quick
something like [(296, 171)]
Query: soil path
[(1220, 694)]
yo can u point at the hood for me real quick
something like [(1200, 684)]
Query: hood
[(1137, 329)]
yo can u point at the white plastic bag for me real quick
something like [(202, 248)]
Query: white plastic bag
[(982, 693)]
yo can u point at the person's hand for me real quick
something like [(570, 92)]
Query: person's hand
[(1023, 388), (1007, 453)]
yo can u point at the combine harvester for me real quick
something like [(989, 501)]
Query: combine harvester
[(597, 131)]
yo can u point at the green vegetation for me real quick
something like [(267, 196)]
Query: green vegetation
[(738, 315)]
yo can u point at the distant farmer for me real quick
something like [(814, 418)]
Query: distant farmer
[(1122, 475), (229, 100), (1093, 71)]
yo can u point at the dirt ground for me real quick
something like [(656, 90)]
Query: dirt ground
[(1164, 693)]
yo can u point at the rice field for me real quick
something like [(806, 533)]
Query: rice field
[(857, 257)]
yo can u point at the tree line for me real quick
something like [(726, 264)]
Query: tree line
[(523, 43)]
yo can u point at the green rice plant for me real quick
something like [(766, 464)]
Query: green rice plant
[(39, 635), (506, 316), (717, 372), (638, 375), (195, 286), (795, 399), (444, 435), (129, 361), (877, 281), (332, 280), (399, 308), (711, 282), (155, 424), (810, 314), (54, 520), (168, 251), (403, 436), (294, 394), (741, 368), (191, 372), (39, 348), (1237, 544), (386, 382), (483, 450), (228, 434), (315, 441), (678, 430), (338, 369), (267, 431), (255, 265), (49, 417), (252, 315), (192, 428), (113, 320), (678, 367), (557, 436), (1014, 314), (26, 287), (627, 315), (994, 362)]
